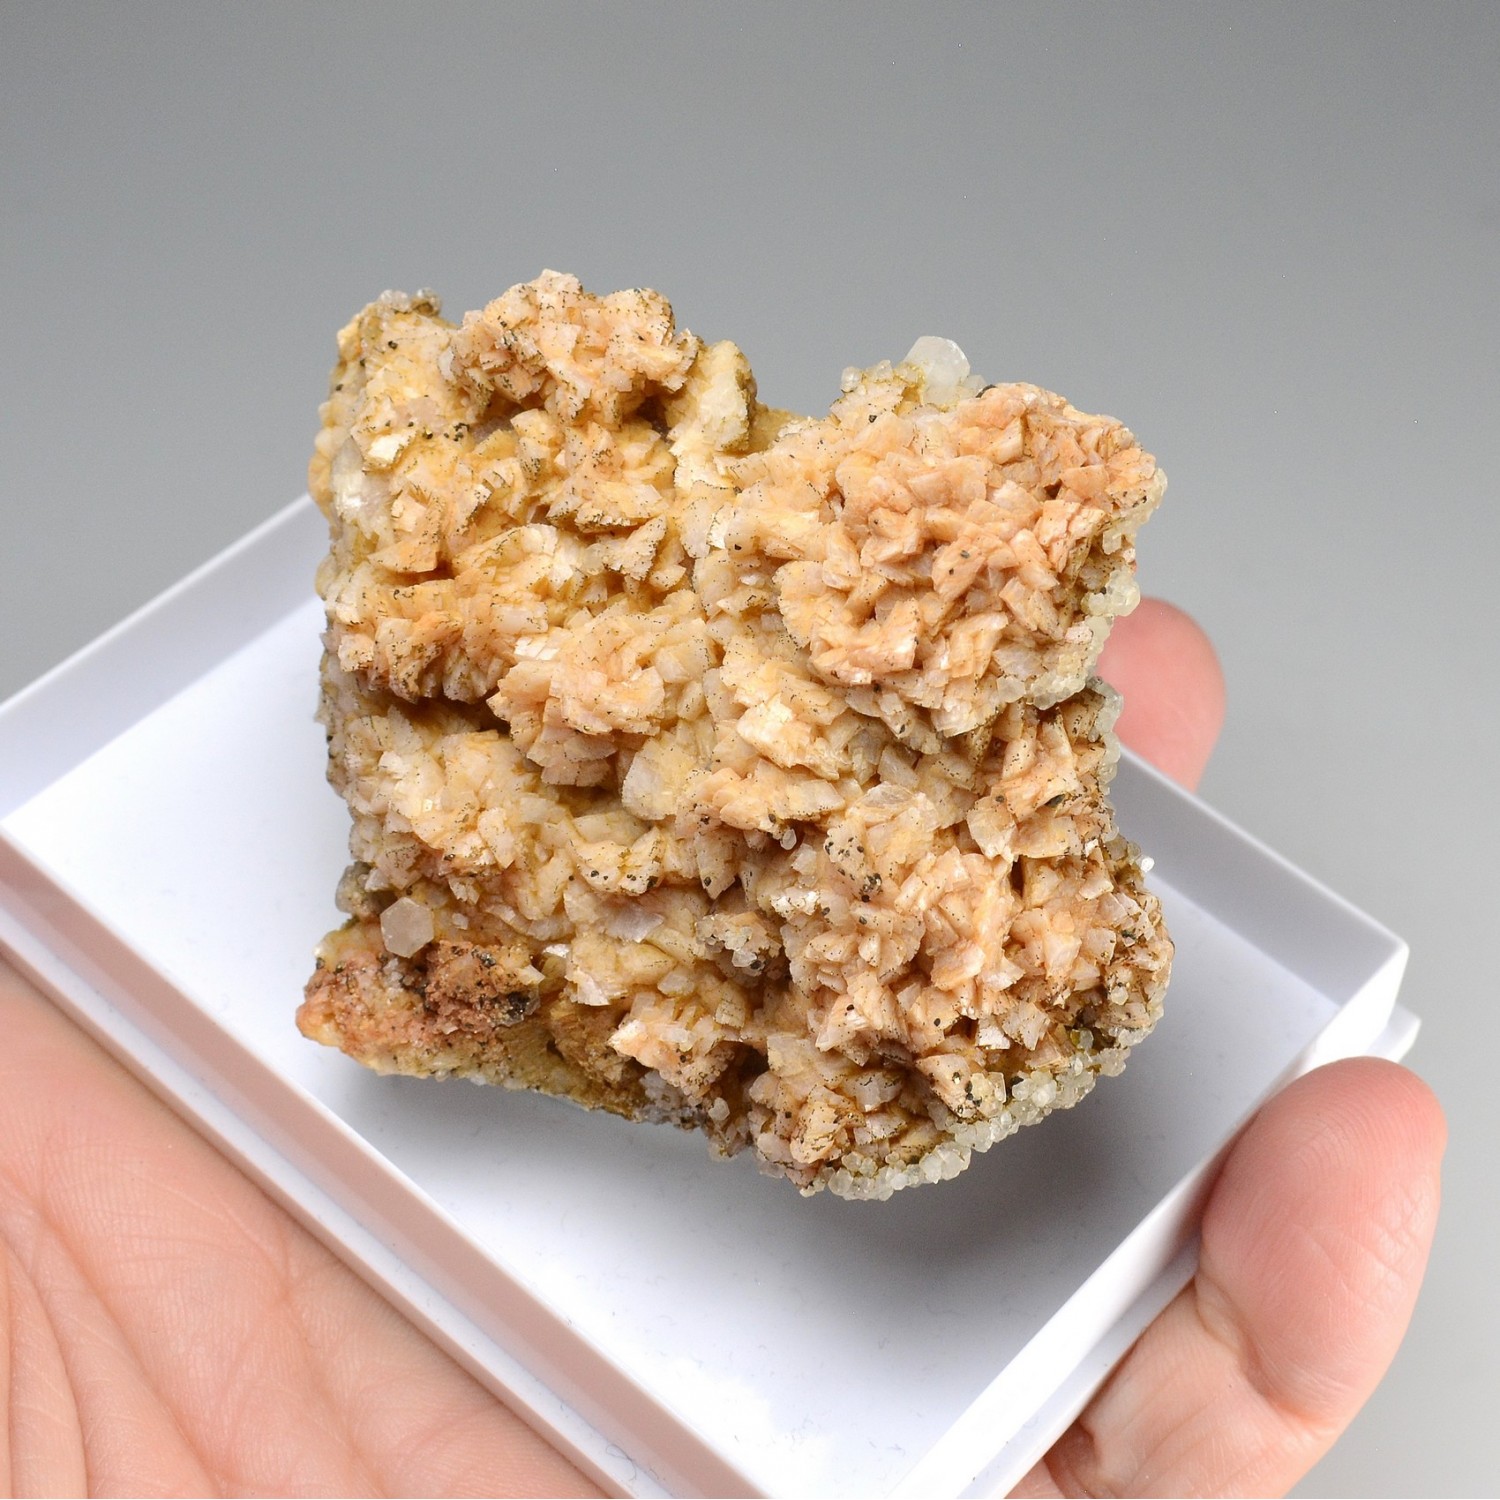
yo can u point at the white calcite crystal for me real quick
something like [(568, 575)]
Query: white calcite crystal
[(715, 765)]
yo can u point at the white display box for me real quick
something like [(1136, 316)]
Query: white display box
[(168, 856)]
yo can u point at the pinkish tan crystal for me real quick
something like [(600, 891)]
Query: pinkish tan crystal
[(714, 765)]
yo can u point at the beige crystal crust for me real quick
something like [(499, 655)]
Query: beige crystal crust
[(714, 765)]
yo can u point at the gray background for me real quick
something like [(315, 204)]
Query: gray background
[(1267, 238)]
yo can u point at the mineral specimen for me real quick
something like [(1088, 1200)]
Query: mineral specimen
[(713, 765)]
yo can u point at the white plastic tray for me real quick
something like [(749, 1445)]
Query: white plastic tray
[(168, 854)]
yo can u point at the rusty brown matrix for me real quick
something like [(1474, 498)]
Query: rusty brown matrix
[(720, 766)]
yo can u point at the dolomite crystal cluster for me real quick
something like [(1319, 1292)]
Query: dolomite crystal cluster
[(713, 765)]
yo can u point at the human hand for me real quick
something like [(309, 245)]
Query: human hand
[(171, 1330), (1314, 1238)]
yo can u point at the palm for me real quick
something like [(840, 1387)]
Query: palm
[(172, 1331)]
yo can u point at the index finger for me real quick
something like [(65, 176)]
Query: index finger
[(1164, 666)]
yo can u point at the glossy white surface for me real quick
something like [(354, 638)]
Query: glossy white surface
[(813, 1345)]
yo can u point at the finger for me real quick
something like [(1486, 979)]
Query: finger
[(1165, 668), (1314, 1244)]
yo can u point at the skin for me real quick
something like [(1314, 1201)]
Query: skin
[(166, 1329)]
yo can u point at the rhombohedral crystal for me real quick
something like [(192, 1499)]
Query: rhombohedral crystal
[(714, 765)]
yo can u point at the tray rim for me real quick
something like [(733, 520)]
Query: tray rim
[(48, 929)]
